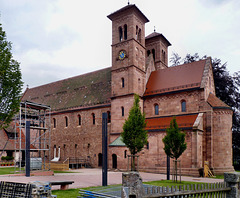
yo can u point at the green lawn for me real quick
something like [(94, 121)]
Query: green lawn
[(74, 192), (8, 170)]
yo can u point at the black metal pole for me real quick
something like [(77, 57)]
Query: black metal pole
[(27, 148), (104, 149), (168, 167)]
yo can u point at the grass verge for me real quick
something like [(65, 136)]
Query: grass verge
[(74, 192), (8, 170)]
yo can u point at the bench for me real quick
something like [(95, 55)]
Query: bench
[(63, 184)]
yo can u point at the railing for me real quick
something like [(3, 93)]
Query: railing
[(132, 187), (79, 162), (218, 190)]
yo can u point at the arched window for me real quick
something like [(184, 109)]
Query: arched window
[(148, 52), (125, 154), (147, 145), (153, 52), (125, 32), (163, 56), (122, 111), (66, 121), (93, 118), (183, 105), (120, 34), (114, 161), (136, 32), (79, 120), (156, 109), (54, 123), (139, 35), (108, 116), (123, 83)]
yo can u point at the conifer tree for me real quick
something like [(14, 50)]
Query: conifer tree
[(134, 134), (10, 82)]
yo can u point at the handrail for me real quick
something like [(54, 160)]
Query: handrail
[(65, 160)]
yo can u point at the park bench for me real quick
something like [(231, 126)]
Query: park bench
[(63, 184)]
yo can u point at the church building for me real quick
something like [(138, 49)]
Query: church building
[(139, 66)]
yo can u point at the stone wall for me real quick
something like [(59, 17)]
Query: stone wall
[(222, 140), (171, 104), (76, 140)]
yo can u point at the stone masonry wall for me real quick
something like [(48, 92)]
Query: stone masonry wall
[(171, 104), (76, 140), (222, 140)]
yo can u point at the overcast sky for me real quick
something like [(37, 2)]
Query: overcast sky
[(57, 39)]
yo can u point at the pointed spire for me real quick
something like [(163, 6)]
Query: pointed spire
[(154, 29), (128, 2)]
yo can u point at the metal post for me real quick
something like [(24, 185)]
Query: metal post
[(104, 149), (168, 167), (28, 149)]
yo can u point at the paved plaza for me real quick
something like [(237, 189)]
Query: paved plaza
[(93, 177)]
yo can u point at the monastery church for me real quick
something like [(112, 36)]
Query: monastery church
[(139, 66)]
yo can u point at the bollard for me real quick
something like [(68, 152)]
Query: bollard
[(232, 180)]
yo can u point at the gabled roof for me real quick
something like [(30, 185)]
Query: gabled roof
[(216, 103), (156, 35), (84, 90), (177, 78), (117, 142), (162, 123)]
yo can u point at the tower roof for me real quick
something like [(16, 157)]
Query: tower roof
[(124, 10), (156, 35)]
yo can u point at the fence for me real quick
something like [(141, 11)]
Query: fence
[(201, 190), (230, 188)]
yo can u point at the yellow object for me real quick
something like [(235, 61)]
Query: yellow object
[(207, 171)]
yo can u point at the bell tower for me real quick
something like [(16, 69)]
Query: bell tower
[(128, 61)]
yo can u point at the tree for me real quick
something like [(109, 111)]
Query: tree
[(175, 59), (227, 89), (10, 82), (134, 134), (174, 142)]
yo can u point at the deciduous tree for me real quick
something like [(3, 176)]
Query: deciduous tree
[(134, 134), (10, 81), (174, 143)]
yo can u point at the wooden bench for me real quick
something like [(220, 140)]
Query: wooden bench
[(64, 185)]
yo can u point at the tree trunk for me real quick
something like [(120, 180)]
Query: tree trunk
[(133, 168), (176, 169)]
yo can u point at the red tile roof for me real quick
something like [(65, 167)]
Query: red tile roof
[(162, 123), (216, 102), (182, 77), (83, 90)]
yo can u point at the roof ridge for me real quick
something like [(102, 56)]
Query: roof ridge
[(81, 75)]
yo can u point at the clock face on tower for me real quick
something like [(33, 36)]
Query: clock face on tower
[(122, 55)]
